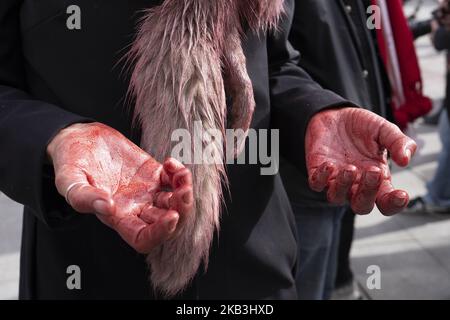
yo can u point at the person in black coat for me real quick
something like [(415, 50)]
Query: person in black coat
[(58, 82), (342, 56), (437, 198)]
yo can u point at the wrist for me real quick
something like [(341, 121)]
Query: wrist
[(60, 137), (333, 110)]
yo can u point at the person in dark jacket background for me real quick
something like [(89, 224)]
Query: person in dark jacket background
[(340, 53), (58, 83), (420, 28), (437, 198)]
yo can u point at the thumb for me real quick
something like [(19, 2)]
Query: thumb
[(400, 146), (72, 183)]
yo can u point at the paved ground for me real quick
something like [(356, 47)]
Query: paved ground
[(10, 231), (413, 252)]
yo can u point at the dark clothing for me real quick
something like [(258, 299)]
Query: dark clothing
[(344, 273), (51, 77), (340, 53), (318, 239), (441, 41), (341, 42), (420, 28)]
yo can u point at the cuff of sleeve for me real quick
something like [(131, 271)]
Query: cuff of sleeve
[(49, 205), (293, 120)]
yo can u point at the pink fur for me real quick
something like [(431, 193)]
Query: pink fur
[(186, 54)]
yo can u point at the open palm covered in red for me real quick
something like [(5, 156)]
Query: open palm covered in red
[(99, 171), (346, 154)]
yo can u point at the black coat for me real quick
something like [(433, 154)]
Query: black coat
[(441, 41), (342, 53), (51, 77)]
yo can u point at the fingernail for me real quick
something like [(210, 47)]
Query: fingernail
[(187, 197), (172, 225), (180, 182), (348, 175), (373, 178), (325, 168), (101, 206), (408, 154), (172, 165), (400, 202)]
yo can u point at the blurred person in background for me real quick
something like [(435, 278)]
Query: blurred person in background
[(420, 28), (437, 198), (341, 53)]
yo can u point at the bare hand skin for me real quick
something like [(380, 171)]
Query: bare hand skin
[(346, 154), (141, 199)]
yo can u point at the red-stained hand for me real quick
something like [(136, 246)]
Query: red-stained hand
[(100, 171), (346, 154)]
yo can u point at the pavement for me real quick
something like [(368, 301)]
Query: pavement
[(412, 253), (10, 233)]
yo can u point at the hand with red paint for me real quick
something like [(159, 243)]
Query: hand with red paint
[(99, 171), (346, 154)]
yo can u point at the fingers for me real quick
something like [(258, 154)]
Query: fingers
[(72, 183), (183, 197), (363, 199), (164, 200), (152, 214), (374, 186), (172, 165), (390, 201), (158, 221), (154, 234), (181, 200), (340, 188), (318, 179), (139, 234), (87, 199), (401, 147), (179, 178)]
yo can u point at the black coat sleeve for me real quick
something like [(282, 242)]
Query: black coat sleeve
[(295, 97), (441, 39), (420, 28), (26, 127)]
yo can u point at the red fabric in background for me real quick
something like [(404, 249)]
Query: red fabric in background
[(416, 104)]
